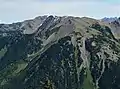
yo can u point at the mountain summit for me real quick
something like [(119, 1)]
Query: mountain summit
[(51, 52)]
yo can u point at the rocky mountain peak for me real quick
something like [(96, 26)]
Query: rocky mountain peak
[(52, 52)]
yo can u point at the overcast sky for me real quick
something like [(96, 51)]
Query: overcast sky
[(19, 10)]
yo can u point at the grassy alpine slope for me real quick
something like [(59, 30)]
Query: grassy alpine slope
[(59, 53)]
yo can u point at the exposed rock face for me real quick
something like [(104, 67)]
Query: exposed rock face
[(114, 24), (59, 53)]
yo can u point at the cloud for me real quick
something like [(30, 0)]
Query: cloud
[(17, 10)]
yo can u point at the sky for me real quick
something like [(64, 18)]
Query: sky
[(19, 10)]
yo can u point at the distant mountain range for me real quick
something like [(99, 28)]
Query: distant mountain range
[(52, 52), (112, 19), (114, 24)]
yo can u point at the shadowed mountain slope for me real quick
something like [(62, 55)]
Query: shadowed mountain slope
[(51, 52)]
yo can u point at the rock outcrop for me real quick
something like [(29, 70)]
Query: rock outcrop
[(53, 52)]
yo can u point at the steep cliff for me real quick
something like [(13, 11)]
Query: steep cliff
[(60, 53)]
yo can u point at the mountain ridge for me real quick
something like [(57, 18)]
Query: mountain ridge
[(61, 53), (36, 22)]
